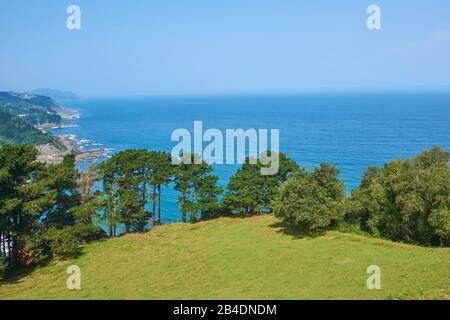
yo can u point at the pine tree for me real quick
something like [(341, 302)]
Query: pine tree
[(250, 192), (197, 187)]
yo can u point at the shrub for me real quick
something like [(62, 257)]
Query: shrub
[(36, 249), (65, 242), (62, 242), (87, 232), (407, 200), (366, 203), (44, 244), (312, 200)]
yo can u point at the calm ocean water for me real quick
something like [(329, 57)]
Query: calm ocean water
[(351, 131)]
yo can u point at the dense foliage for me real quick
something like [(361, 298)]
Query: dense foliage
[(198, 190), (125, 183), (250, 192), (312, 200), (407, 200), (16, 130), (132, 179), (37, 203), (33, 109)]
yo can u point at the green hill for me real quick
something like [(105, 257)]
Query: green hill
[(33, 109), (15, 130), (252, 258)]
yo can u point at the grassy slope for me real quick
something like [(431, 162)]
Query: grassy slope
[(241, 259)]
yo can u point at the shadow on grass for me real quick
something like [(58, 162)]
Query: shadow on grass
[(295, 231), (15, 274)]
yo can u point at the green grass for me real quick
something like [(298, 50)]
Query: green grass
[(253, 258)]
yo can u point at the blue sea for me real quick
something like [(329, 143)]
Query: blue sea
[(351, 131)]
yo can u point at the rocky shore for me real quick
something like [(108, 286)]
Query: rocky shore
[(65, 114), (50, 154), (68, 114)]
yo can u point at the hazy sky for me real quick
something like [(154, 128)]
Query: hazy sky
[(222, 46)]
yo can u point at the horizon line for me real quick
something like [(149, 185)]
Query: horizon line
[(348, 90), (293, 92)]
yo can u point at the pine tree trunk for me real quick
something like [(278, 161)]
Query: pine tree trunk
[(159, 204), (193, 217), (109, 213), (3, 236), (8, 245), (14, 241), (153, 206), (11, 248), (144, 190), (2, 247)]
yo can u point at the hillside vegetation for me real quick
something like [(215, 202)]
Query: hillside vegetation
[(33, 109), (20, 114), (250, 258), (16, 130)]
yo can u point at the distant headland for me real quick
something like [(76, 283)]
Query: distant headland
[(28, 117)]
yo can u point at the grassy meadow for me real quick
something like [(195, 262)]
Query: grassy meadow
[(251, 258)]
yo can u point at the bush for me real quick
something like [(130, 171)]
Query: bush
[(366, 203), (407, 200), (62, 242), (44, 244), (312, 200), (86, 233), (35, 250), (65, 242)]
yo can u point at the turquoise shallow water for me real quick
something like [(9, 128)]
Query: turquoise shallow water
[(351, 131)]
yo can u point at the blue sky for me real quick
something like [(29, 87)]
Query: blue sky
[(144, 47)]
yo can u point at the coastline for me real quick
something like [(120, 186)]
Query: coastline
[(50, 154), (65, 114)]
